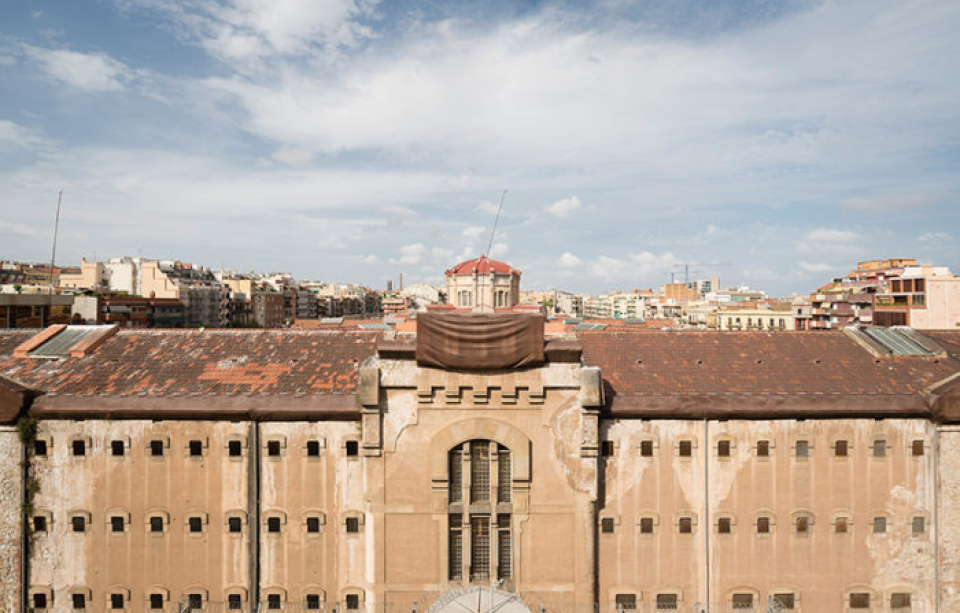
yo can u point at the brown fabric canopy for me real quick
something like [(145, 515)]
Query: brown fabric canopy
[(479, 341)]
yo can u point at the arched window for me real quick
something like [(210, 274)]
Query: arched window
[(480, 471)]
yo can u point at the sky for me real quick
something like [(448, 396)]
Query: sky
[(774, 143)]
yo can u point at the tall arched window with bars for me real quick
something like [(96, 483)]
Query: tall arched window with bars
[(480, 537)]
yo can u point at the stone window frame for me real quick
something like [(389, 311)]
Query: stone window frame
[(80, 590), (278, 514), (752, 590), (772, 522), (281, 440), (794, 522), (127, 445), (235, 590), (151, 590), (273, 590), (239, 514), (910, 447), (480, 428), (87, 446), (859, 588), (117, 589), (613, 445), (204, 518), (887, 521), (244, 446), (887, 447), (608, 519), (666, 591), (360, 516), (731, 452), (87, 520), (844, 514), (345, 447), (148, 524), (723, 514), (794, 443), (108, 521), (204, 447), (771, 447), (353, 591), (897, 590), (48, 440), (926, 515), (148, 446), (46, 590), (616, 592), (833, 448), (47, 515), (313, 590), (692, 515), (694, 445), (651, 515), (313, 513), (196, 589), (322, 447), (654, 447), (784, 589)]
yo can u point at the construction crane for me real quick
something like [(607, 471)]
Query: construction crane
[(686, 266)]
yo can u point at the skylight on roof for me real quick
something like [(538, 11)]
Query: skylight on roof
[(896, 341), (60, 345)]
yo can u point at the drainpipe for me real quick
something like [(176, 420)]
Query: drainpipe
[(253, 496), (936, 518), (24, 531), (706, 513)]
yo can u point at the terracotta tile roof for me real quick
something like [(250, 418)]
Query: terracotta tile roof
[(640, 366), (166, 362)]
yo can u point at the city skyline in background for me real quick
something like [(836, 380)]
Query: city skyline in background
[(784, 140)]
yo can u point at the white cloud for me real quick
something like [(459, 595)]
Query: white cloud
[(411, 254), (249, 29), (499, 250), (568, 260), (7, 227), (474, 232), (563, 208), (399, 211), (371, 259), (827, 235), (935, 237), (817, 267), (293, 156), (890, 202), (96, 72), (7, 60), (487, 207), (17, 135), (633, 267)]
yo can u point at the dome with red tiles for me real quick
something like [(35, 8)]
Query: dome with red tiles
[(482, 265)]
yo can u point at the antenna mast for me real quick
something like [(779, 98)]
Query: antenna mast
[(495, 221), (53, 257)]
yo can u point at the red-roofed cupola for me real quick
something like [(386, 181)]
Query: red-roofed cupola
[(483, 265), (483, 285)]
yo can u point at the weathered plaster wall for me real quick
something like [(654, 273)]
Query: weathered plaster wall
[(819, 568), (137, 486), (538, 415), (949, 518), (331, 486), (10, 522)]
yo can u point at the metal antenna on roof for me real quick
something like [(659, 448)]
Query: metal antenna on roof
[(53, 256), (495, 221)]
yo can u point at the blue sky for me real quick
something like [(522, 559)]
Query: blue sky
[(351, 140)]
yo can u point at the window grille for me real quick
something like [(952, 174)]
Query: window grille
[(666, 602), (840, 449), (504, 471), (480, 471), (626, 602), (504, 553), (456, 474), (743, 602), (479, 548), (456, 548)]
